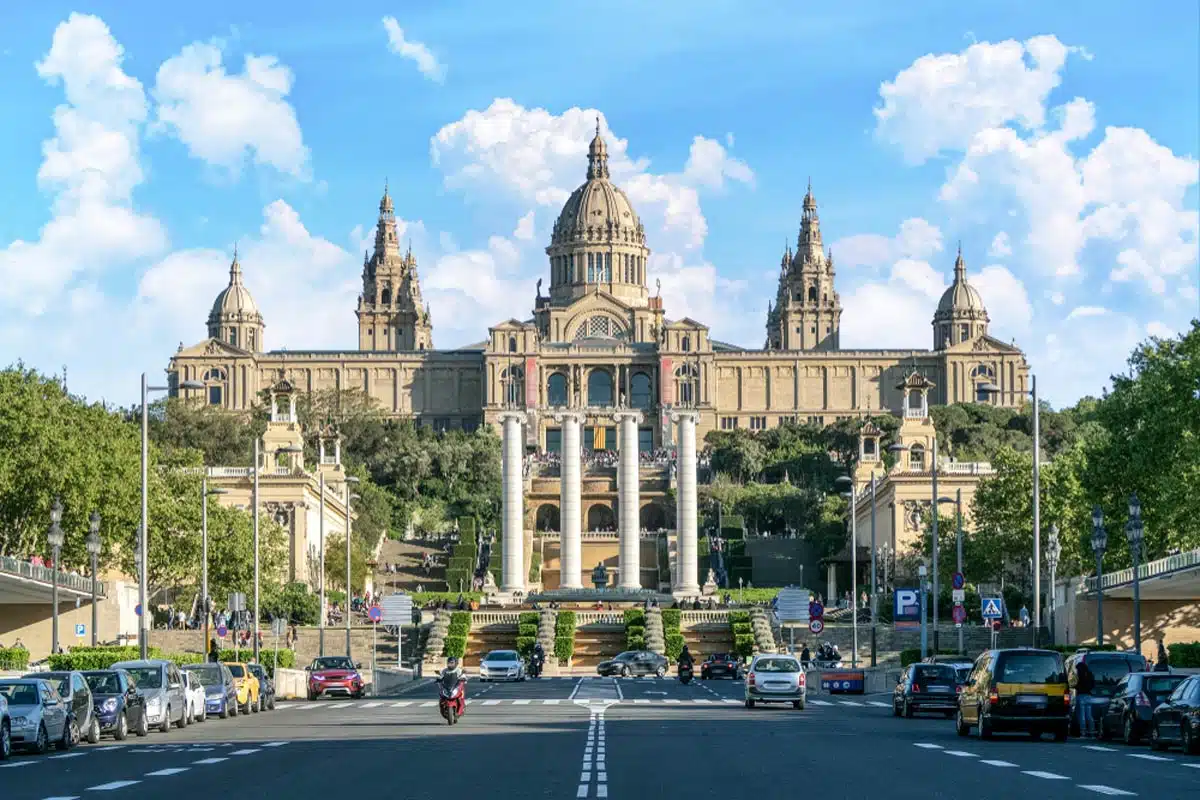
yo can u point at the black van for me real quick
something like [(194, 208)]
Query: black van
[(1020, 690)]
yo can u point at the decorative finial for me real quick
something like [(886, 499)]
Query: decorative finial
[(960, 266), (658, 285), (597, 124)]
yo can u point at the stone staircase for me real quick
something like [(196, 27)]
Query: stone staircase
[(408, 556), (482, 641), (703, 642), (596, 643)]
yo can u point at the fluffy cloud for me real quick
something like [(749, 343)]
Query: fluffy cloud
[(91, 165), (918, 239), (709, 164), (224, 118), (414, 51), (1000, 246)]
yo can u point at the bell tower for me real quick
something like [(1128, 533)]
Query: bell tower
[(391, 315), (808, 311)]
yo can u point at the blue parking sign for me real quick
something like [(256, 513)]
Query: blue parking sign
[(80, 629)]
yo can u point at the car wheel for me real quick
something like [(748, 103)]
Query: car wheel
[(121, 729), (5, 741), (960, 725), (1156, 742), (185, 718), (234, 708), (798, 705), (1060, 734), (985, 727), (908, 709), (1186, 741), (70, 736), (1129, 731), (94, 731), (661, 671), (895, 708), (42, 742), (749, 703), (143, 728), (165, 725), (254, 705), (624, 672)]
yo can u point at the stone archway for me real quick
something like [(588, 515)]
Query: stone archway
[(652, 517), (600, 517), (547, 518)]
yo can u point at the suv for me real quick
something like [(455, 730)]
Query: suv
[(1109, 668), (161, 686), (1022, 690)]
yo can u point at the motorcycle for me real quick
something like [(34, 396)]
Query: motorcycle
[(452, 701), (685, 674), (535, 667)]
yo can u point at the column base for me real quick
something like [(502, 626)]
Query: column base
[(570, 586), (686, 592)]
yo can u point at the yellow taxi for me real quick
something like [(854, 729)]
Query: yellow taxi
[(249, 694), (1018, 690)]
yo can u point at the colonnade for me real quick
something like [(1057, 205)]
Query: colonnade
[(685, 576)]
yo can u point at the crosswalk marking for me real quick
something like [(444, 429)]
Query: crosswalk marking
[(820, 703), (849, 703), (672, 701), (491, 702), (716, 699), (701, 700), (372, 705), (731, 700), (550, 702), (878, 704), (642, 702), (429, 704), (310, 705), (402, 704), (521, 702)]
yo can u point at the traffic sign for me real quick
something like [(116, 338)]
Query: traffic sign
[(80, 629), (237, 602), (138, 609), (396, 609), (792, 605), (279, 626), (958, 581), (958, 595), (991, 608), (960, 614), (376, 613), (222, 631), (816, 610), (817, 625)]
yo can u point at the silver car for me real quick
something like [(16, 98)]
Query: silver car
[(775, 678), (160, 683), (502, 665), (37, 714)]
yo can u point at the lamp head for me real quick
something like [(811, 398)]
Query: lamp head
[(990, 388), (896, 447), (1135, 507), (191, 385), (56, 511), (218, 490), (1099, 541), (56, 536), (291, 448), (1097, 517)]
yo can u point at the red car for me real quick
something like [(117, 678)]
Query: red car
[(334, 675)]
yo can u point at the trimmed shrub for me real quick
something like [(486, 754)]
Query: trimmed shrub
[(425, 598), (14, 658), (1183, 654), (636, 630), (564, 647), (739, 616), (565, 623), (527, 630), (525, 645), (635, 643), (535, 567), (84, 658), (670, 619), (460, 616), (742, 629), (674, 646), (743, 646), (527, 618), (455, 647), (458, 628), (635, 616)]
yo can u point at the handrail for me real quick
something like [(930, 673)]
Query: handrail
[(24, 569), (1151, 569)]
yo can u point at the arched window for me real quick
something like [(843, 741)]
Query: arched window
[(512, 344), (556, 390), (687, 385), (386, 298), (599, 327), (600, 388), (512, 382), (600, 518), (685, 344), (214, 381), (812, 293), (916, 458), (983, 375), (639, 390)]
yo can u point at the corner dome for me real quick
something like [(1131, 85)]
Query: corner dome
[(961, 299), (234, 301)]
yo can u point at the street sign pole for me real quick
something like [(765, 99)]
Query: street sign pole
[(958, 544), (374, 648)]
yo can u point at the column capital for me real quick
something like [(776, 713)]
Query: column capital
[(517, 416), (569, 415), (682, 414), (636, 417)]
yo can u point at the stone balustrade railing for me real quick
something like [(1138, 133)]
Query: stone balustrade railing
[(66, 580), (483, 618), (1150, 569)]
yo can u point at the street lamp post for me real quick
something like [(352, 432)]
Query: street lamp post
[(143, 534), (922, 571), (991, 388), (853, 495), (874, 581), (350, 498), (936, 586), (321, 568), (1134, 531), (93, 548), (204, 604), (56, 538), (1053, 551), (1099, 544)]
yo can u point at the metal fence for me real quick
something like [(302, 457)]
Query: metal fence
[(1151, 569), (25, 569)]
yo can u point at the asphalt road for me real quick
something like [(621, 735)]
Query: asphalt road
[(593, 738)]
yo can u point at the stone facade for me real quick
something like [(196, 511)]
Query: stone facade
[(600, 339)]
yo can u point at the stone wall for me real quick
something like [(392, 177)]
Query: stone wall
[(32, 623)]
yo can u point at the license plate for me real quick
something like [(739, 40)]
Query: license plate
[(777, 687), (1031, 700), (939, 689)]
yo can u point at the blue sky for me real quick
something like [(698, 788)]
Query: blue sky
[(141, 140)]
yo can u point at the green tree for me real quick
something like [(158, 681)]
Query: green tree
[(225, 438), (335, 563)]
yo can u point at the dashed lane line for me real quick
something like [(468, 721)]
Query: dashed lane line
[(66, 755), (995, 762), (111, 786), (491, 702), (1148, 757), (849, 703), (820, 703), (1099, 748), (214, 760), (162, 773), (878, 704), (245, 752), (1049, 776), (927, 746), (402, 704), (1108, 790), (429, 704), (274, 744), (961, 754)]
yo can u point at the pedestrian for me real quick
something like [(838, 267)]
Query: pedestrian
[(1163, 663), (214, 653), (1024, 613), (1085, 684), (805, 656)]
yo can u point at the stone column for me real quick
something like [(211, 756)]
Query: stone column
[(570, 506), (512, 575), (687, 581), (628, 488)]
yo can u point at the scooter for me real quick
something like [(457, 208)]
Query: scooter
[(452, 701), (535, 667), (685, 674)]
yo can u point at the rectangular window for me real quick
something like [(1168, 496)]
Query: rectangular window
[(233, 336), (758, 423), (645, 440), (470, 425), (214, 395), (608, 266), (591, 267), (554, 440), (729, 423), (441, 424)]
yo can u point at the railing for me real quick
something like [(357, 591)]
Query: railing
[(915, 413), (694, 617), (240, 472), (1151, 569), (24, 569)]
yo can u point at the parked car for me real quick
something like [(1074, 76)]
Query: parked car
[(334, 675), (196, 698), (1017, 690), (502, 665), (38, 714), (248, 696), (161, 686), (220, 695), (5, 730), (73, 688), (1108, 668), (926, 687), (634, 662), (266, 687), (116, 703), (775, 678), (1177, 720), (962, 666), (1131, 708), (720, 665)]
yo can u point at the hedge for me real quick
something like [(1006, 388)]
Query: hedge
[(635, 630), (86, 658), (458, 564), (535, 567), (736, 617), (460, 616), (458, 628), (674, 646), (455, 647), (671, 618), (635, 616), (527, 630), (14, 658), (742, 629), (564, 648), (743, 646), (528, 618), (1184, 654), (565, 623), (525, 645), (425, 598), (635, 643)]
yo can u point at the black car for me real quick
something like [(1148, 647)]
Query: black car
[(116, 702), (74, 691), (1131, 709), (926, 687), (1177, 720), (720, 665), (266, 687), (1108, 667), (634, 662)]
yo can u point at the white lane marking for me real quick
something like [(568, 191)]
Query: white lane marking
[(676, 702), (731, 700), (245, 752), (108, 787), (702, 700), (309, 705), (927, 745), (620, 694), (274, 744), (582, 791), (67, 797), (878, 704), (550, 702), (162, 773), (1193, 766), (429, 704), (849, 703), (66, 755), (961, 754), (602, 790), (402, 704), (1101, 789), (602, 777), (16, 764), (372, 705), (214, 760), (1050, 776), (491, 702), (1099, 748), (819, 703), (992, 762), (1148, 757), (521, 702), (574, 692)]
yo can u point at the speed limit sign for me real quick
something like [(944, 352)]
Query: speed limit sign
[(816, 626)]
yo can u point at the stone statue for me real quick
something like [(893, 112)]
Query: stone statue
[(710, 584), (539, 289), (489, 582), (658, 285), (600, 576)]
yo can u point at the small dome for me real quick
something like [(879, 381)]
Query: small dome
[(234, 301), (961, 298)]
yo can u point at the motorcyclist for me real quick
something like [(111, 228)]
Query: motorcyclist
[(685, 658), (537, 658), (453, 673)]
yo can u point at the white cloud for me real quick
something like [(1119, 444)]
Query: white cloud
[(225, 118), (1086, 311), (524, 230), (709, 165), (414, 51), (1159, 330), (917, 239), (1000, 246), (92, 165)]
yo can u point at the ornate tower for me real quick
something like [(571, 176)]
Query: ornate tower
[(234, 317), (960, 316), (808, 311), (391, 314)]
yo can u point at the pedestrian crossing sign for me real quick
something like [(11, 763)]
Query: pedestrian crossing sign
[(991, 608)]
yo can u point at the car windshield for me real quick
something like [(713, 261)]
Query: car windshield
[(332, 662), (103, 682), (1109, 671), (718, 657), (628, 656), (934, 673), (209, 674), (58, 680), (236, 670), (502, 655), (1164, 684), (1031, 668), (19, 694), (777, 665), (146, 677)]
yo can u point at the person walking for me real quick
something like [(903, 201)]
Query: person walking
[(1163, 662), (1085, 684), (214, 652)]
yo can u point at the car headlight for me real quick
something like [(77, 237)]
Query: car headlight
[(109, 705), (154, 705), (20, 722)]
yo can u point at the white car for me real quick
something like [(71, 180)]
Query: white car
[(502, 665), (195, 696), (776, 678)]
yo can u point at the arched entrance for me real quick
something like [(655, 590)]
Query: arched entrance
[(600, 518), (547, 518), (652, 517)]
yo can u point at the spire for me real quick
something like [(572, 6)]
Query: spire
[(385, 203), (808, 243), (387, 243), (235, 269), (960, 267), (597, 155)]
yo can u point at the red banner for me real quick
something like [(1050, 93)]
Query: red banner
[(531, 382), (666, 383)]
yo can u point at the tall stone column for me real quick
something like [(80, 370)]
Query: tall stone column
[(628, 488), (570, 506), (687, 565), (512, 574)]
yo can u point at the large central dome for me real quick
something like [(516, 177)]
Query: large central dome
[(598, 241)]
